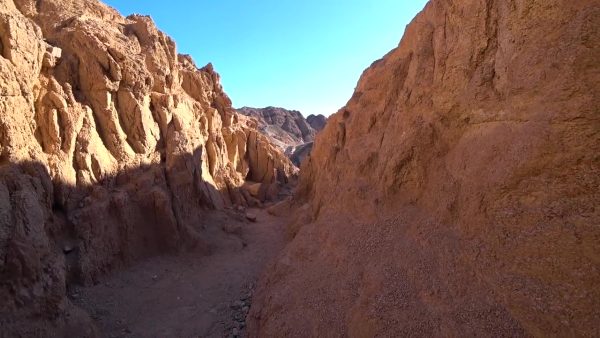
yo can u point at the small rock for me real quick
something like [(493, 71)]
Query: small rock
[(245, 309), (68, 248), (251, 217), (155, 278), (229, 228), (54, 51), (235, 331)]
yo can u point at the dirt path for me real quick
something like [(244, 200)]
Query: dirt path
[(189, 295)]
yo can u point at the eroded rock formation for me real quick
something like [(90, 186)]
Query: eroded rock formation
[(112, 148), (457, 192)]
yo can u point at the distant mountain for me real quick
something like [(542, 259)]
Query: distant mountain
[(317, 122), (287, 129)]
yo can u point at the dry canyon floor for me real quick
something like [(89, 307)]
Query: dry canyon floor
[(187, 295)]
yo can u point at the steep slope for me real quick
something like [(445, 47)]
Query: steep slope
[(457, 192), (112, 148)]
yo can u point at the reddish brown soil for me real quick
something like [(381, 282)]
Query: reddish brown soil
[(190, 295)]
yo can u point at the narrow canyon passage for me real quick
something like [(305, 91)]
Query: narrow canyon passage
[(192, 294)]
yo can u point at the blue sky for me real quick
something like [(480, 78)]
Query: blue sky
[(305, 55)]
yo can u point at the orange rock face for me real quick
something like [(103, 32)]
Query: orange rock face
[(457, 193), (112, 148)]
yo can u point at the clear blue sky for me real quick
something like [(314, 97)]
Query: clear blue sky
[(297, 54)]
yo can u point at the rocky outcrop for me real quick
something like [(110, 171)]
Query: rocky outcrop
[(112, 148), (456, 194), (317, 122), (299, 153)]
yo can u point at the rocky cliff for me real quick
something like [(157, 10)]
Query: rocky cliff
[(112, 147), (456, 194)]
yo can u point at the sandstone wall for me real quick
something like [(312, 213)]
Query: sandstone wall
[(457, 192), (112, 148)]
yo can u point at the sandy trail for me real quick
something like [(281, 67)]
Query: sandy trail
[(189, 295)]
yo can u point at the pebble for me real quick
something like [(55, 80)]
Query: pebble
[(251, 217), (235, 332)]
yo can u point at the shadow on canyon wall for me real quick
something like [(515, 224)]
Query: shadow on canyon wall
[(54, 234)]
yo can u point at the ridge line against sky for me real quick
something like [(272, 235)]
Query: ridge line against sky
[(301, 55)]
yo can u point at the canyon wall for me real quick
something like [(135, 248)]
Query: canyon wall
[(112, 147), (287, 128), (457, 192)]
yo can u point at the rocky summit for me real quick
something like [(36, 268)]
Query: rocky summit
[(317, 122)]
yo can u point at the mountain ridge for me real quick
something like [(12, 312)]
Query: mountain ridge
[(289, 129)]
